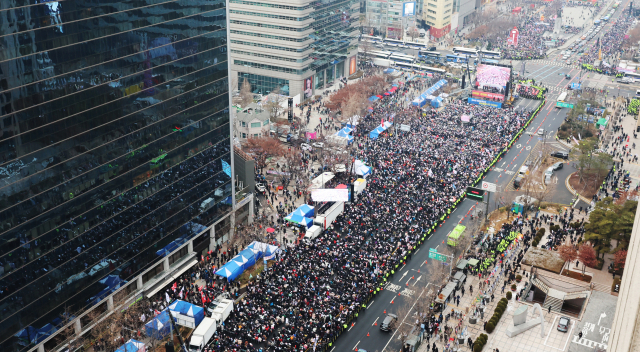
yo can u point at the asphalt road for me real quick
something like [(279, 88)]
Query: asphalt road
[(404, 285)]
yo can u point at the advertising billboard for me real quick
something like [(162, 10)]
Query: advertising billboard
[(408, 9), (308, 87), (492, 76), (484, 102), (330, 195), (513, 37), (352, 65), (487, 95)]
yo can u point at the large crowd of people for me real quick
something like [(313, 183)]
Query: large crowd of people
[(609, 46), (312, 289)]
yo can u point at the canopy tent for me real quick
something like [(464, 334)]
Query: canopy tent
[(158, 327), (373, 98), (320, 181), (602, 123), (251, 255), (376, 132), (341, 186), (343, 136), (112, 282), (132, 346), (187, 314), (300, 220), (267, 250), (359, 168)]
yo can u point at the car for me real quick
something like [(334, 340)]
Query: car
[(518, 182), (305, 146), (563, 324), (560, 154), (260, 187), (541, 132), (388, 320), (557, 166), (318, 145), (568, 63)]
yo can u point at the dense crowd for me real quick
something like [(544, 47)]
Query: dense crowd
[(313, 288), (610, 45), (531, 42)]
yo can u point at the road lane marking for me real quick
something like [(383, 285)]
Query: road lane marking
[(370, 305)]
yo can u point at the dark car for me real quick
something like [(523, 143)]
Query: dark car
[(388, 320), (563, 324), (558, 166), (561, 155), (518, 182)]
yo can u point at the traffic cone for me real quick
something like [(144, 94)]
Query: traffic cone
[(367, 334), (398, 294), (385, 311), (375, 324), (407, 283), (391, 302), (413, 277), (356, 349), (419, 269), (353, 324)]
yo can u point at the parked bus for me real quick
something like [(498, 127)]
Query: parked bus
[(490, 54), (429, 54), (380, 54), (429, 69), (399, 57), (458, 59), (635, 77), (393, 42), (371, 38), (416, 45), (404, 65), (465, 51)]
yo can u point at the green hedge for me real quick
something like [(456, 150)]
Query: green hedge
[(509, 295), (479, 343), (497, 314)]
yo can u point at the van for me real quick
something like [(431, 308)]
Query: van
[(540, 132), (524, 171), (518, 181)]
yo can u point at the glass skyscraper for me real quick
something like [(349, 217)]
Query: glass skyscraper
[(115, 144)]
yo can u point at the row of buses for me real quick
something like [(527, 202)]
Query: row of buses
[(392, 42)]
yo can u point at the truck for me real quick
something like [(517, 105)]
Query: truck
[(222, 311), (325, 220), (455, 234), (202, 335), (313, 232)]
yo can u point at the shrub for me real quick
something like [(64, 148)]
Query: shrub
[(509, 295), (518, 278), (477, 347), (490, 327), (541, 232), (513, 287)]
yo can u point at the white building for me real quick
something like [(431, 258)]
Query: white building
[(251, 122)]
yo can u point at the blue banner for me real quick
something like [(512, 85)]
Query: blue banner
[(576, 86), (494, 104)]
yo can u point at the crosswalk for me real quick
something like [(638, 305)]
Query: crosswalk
[(554, 63)]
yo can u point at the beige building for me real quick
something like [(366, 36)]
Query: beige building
[(251, 122), (295, 46)]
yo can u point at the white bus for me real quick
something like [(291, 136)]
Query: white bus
[(429, 69), (382, 62), (465, 51), (371, 38), (380, 54), (562, 97), (404, 65), (635, 77), (399, 57), (490, 54), (393, 42)]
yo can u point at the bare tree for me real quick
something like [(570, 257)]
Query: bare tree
[(246, 97), (274, 104)]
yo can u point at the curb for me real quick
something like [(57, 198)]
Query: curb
[(573, 191)]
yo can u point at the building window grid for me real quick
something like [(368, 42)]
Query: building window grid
[(273, 57), (268, 36), (266, 46), (268, 15), (265, 84), (284, 28), (282, 7)]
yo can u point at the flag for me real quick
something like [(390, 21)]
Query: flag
[(166, 295), (155, 312), (382, 122), (204, 300), (174, 287), (181, 293)]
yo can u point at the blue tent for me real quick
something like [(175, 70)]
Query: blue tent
[(263, 249), (375, 133), (158, 328), (306, 209), (189, 310), (230, 270), (131, 346), (373, 98)]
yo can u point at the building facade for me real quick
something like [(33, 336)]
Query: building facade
[(251, 122), (295, 47), (437, 14), (387, 18), (115, 130)]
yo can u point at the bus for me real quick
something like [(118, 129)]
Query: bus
[(562, 97), (429, 54), (371, 38), (393, 42), (635, 77), (416, 45), (405, 65), (458, 59), (465, 51), (399, 57), (615, 6), (490, 54), (429, 69), (380, 54)]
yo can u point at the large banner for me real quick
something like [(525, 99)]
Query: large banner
[(330, 195), (513, 37), (308, 87), (492, 76), (352, 65), (481, 94), (484, 102)]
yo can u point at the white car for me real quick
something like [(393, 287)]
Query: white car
[(318, 145), (260, 187), (305, 146)]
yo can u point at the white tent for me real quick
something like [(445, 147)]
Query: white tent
[(359, 168), (321, 180)]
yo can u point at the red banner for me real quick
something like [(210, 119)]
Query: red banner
[(481, 94)]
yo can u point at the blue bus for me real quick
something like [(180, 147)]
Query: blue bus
[(458, 59)]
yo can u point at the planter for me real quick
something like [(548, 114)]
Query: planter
[(518, 281), (473, 320)]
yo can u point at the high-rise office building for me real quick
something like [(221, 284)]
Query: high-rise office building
[(296, 46), (115, 152)]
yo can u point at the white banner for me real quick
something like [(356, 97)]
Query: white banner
[(330, 195)]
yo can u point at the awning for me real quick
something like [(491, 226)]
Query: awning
[(169, 278)]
